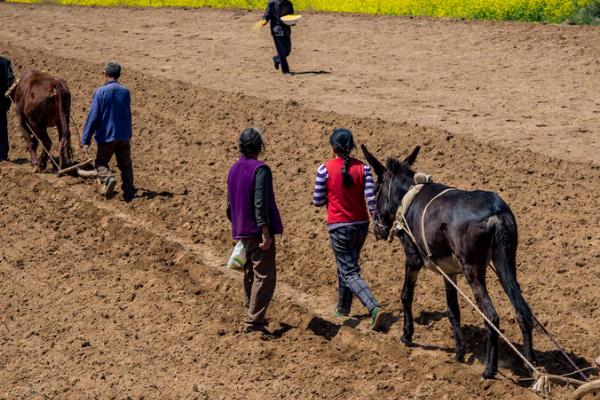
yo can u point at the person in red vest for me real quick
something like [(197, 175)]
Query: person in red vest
[(346, 186)]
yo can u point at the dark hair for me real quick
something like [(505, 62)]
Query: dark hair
[(113, 70), (343, 143), (251, 142)]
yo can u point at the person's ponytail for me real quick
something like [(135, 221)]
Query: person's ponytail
[(346, 177), (343, 143)]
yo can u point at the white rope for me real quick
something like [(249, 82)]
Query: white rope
[(542, 384), (423, 237), (486, 319), (542, 380)]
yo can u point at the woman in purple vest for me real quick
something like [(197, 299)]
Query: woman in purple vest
[(255, 219)]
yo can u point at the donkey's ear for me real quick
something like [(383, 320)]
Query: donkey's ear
[(373, 161), (413, 156)]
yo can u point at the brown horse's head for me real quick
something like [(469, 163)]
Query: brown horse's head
[(393, 182)]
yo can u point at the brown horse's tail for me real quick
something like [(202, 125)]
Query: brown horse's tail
[(504, 258), (63, 105)]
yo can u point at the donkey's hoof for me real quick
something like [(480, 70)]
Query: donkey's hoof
[(488, 374), (532, 358), (460, 356), (406, 340)]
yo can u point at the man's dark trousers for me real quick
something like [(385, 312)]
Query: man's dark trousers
[(283, 45), (122, 151), (3, 134)]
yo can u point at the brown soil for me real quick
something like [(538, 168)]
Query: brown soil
[(514, 83), (108, 300)]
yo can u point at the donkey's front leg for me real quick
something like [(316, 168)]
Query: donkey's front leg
[(412, 268), (454, 317)]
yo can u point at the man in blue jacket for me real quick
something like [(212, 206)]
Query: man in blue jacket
[(6, 80), (109, 120)]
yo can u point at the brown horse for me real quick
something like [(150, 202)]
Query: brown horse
[(461, 232), (43, 101)]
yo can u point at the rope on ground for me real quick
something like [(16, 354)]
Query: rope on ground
[(560, 348), (564, 375)]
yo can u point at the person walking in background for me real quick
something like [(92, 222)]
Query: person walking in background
[(7, 78), (109, 120), (255, 219), (282, 33), (346, 186)]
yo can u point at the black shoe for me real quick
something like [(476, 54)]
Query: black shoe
[(276, 65), (128, 197)]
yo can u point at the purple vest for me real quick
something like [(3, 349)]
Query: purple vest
[(240, 186)]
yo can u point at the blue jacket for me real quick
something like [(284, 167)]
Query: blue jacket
[(109, 118)]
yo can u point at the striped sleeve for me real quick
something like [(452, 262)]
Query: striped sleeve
[(320, 193), (370, 191)]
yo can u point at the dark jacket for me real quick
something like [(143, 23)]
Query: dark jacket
[(7, 78), (275, 10)]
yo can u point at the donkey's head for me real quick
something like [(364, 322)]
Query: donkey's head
[(393, 182)]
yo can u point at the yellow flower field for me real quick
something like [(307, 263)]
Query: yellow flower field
[(514, 10)]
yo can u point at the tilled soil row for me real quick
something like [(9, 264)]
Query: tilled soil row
[(184, 144), (102, 305)]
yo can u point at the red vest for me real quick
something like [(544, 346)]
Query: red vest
[(346, 203)]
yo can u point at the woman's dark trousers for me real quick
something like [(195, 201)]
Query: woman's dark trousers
[(347, 242)]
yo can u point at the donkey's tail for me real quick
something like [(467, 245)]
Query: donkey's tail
[(504, 259), (504, 252), (63, 103)]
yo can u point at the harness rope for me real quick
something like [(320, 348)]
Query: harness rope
[(77, 131), (405, 227), (542, 379), (425, 244), (85, 150), (38, 139), (8, 94)]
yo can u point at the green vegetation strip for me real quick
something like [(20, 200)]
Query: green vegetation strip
[(554, 11)]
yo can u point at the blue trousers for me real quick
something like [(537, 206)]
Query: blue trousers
[(347, 242), (3, 134)]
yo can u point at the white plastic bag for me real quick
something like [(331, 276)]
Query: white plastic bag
[(238, 257)]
